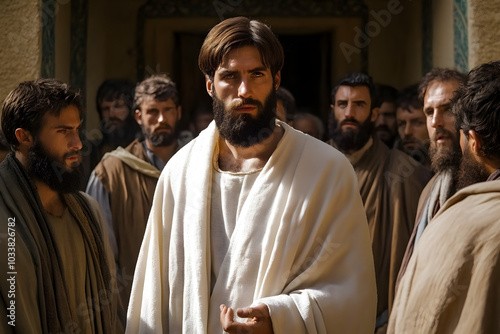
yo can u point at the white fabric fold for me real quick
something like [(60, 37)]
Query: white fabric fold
[(311, 264)]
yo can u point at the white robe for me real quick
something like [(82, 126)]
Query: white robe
[(312, 263)]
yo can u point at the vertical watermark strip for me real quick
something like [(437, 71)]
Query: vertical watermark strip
[(11, 271), (49, 10), (461, 39), (427, 35)]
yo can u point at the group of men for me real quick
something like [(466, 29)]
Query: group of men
[(253, 227)]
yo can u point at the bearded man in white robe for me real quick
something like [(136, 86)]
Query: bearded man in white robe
[(255, 227)]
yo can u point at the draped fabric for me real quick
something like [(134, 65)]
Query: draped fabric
[(301, 238), (451, 282), (435, 194), (390, 183), (130, 181), (41, 297)]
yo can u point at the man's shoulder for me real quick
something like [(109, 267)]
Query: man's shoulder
[(113, 163), (479, 196), (471, 215), (312, 146)]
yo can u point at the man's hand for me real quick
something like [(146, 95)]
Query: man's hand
[(259, 321)]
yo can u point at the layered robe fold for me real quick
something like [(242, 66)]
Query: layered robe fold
[(435, 194), (311, 264), (390, 183), (451, 284), (40, 292), (130, 180)]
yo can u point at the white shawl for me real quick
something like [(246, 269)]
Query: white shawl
[(312, 264)]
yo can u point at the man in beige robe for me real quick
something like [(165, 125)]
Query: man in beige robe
[(451, 283), (255, 227), (123, 183), (57, 267), (436, 91), (389, 181)]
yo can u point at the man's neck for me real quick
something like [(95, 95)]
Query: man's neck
[(51, 200), (246, 159), (162, 152), (355, 156)]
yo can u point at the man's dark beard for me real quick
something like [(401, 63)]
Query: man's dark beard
[(162, 139), (470, 171), (47, 169), (384, 130), (243, 130), (421, 153), (351, 140), (445, 158), (122, 135)]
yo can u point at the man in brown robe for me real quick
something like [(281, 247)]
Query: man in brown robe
[(123, 183), (57, 269), (436, 91), (389, 181), (451, 283)]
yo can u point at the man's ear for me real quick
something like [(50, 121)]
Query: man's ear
[(137, 115), (277, 80), (475, 143), (209, 85), (179, 112), (24, 137)]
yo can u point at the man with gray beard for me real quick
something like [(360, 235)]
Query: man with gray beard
[(125, 180), (436, 91), (451, 282)]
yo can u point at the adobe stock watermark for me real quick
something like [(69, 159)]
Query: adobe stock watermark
[(363, 38), (225, 6)]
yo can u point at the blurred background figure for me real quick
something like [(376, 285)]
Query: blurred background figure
[(123, 183), (285, 107), (114, 103), (385, 104), (200, 118), (412, 125), (309, 124)]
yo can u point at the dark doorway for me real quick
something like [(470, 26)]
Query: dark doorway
[(306, 73)]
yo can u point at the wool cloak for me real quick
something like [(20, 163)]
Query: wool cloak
[(390, 183), (39, 292), (451, 284), (130, 181), (311, 264)]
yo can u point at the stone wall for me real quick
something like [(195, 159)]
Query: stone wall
[(21, 39), (484, 39)]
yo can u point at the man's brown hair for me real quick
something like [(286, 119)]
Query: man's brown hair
[(237, 32), (159, 87), (440, 75)]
